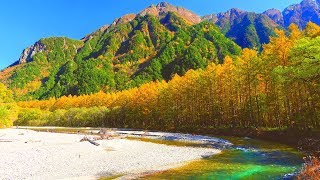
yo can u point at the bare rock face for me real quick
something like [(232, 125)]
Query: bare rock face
[(28, 53), (90, 36), (301, 14), (233, 13), (124, 19), (163, 8), (230, 16), (275, 15), (212, 18), (224, 18)]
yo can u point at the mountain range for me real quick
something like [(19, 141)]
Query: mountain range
[(154, 44), (251, 30)]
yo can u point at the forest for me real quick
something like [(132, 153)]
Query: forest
[(124, 56), (276, 88)]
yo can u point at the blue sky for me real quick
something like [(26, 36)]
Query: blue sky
[(23, 22)]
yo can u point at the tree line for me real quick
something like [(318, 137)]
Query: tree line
[(276, 88)]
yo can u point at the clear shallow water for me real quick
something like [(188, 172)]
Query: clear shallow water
[(241, 158), (246, 159)]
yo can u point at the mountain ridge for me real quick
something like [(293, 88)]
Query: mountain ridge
[(269, 20), (152, 45), (302, 13), (156, 10), (164, 7), (234, 19), (133, 50)]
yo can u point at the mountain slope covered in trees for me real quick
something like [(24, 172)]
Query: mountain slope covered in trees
[(132, 51), (247, 29), (155, 44), (278, 88)]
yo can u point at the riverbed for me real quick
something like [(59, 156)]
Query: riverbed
[(160, 155), (28, 154)]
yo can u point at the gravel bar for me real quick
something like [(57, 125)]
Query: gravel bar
[(27, 154)]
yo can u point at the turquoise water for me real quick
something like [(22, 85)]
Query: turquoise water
[(247, 159)]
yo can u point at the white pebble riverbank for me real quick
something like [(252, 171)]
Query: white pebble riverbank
[(26, 154)]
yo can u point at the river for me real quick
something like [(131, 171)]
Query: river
[(241, 158)]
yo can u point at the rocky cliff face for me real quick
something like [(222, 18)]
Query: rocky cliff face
[(301, 14), (275, 15), (232, 14), (124, 19), (163, 8), (226, 19), (211, 17), (100, 30), (28, 53)]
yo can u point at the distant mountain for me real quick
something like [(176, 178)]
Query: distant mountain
[(276, 16), (301, 14), (154, 44), (249, 29), (163, 8)]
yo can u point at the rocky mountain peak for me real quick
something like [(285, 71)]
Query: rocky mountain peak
[(211, 17), (272, 12), (164, 7), (301, 14), (231, 14), (275, 15), (124, 19), (236, 11), (28, 53), (309, 3)]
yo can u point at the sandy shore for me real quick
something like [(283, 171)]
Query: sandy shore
[(26, 154)]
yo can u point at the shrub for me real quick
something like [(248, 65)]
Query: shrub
[(8, 113), (32, 117)]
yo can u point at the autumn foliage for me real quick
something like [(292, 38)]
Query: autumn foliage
[(8, 109), (277, 88), (311, 168)]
